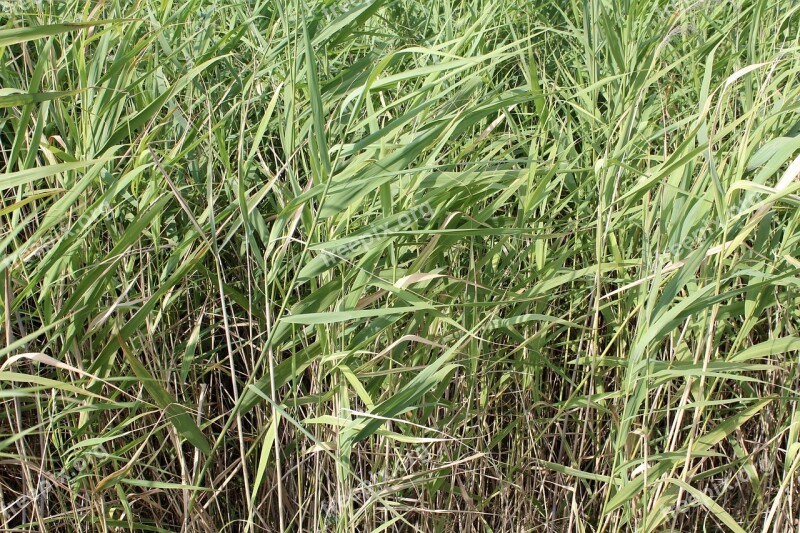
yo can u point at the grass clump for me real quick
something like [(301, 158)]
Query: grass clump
[(399, 266)]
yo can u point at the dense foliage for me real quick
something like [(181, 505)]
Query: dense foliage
[(479, 265)]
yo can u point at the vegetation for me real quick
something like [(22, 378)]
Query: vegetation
[(486, 265)]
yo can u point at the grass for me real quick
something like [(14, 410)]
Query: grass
[(400, 265)]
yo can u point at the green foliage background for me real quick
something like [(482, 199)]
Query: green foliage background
[(222, 308)]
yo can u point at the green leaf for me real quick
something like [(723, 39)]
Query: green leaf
[(15, 179), (11, 36), (176, 414), (18, 98)]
